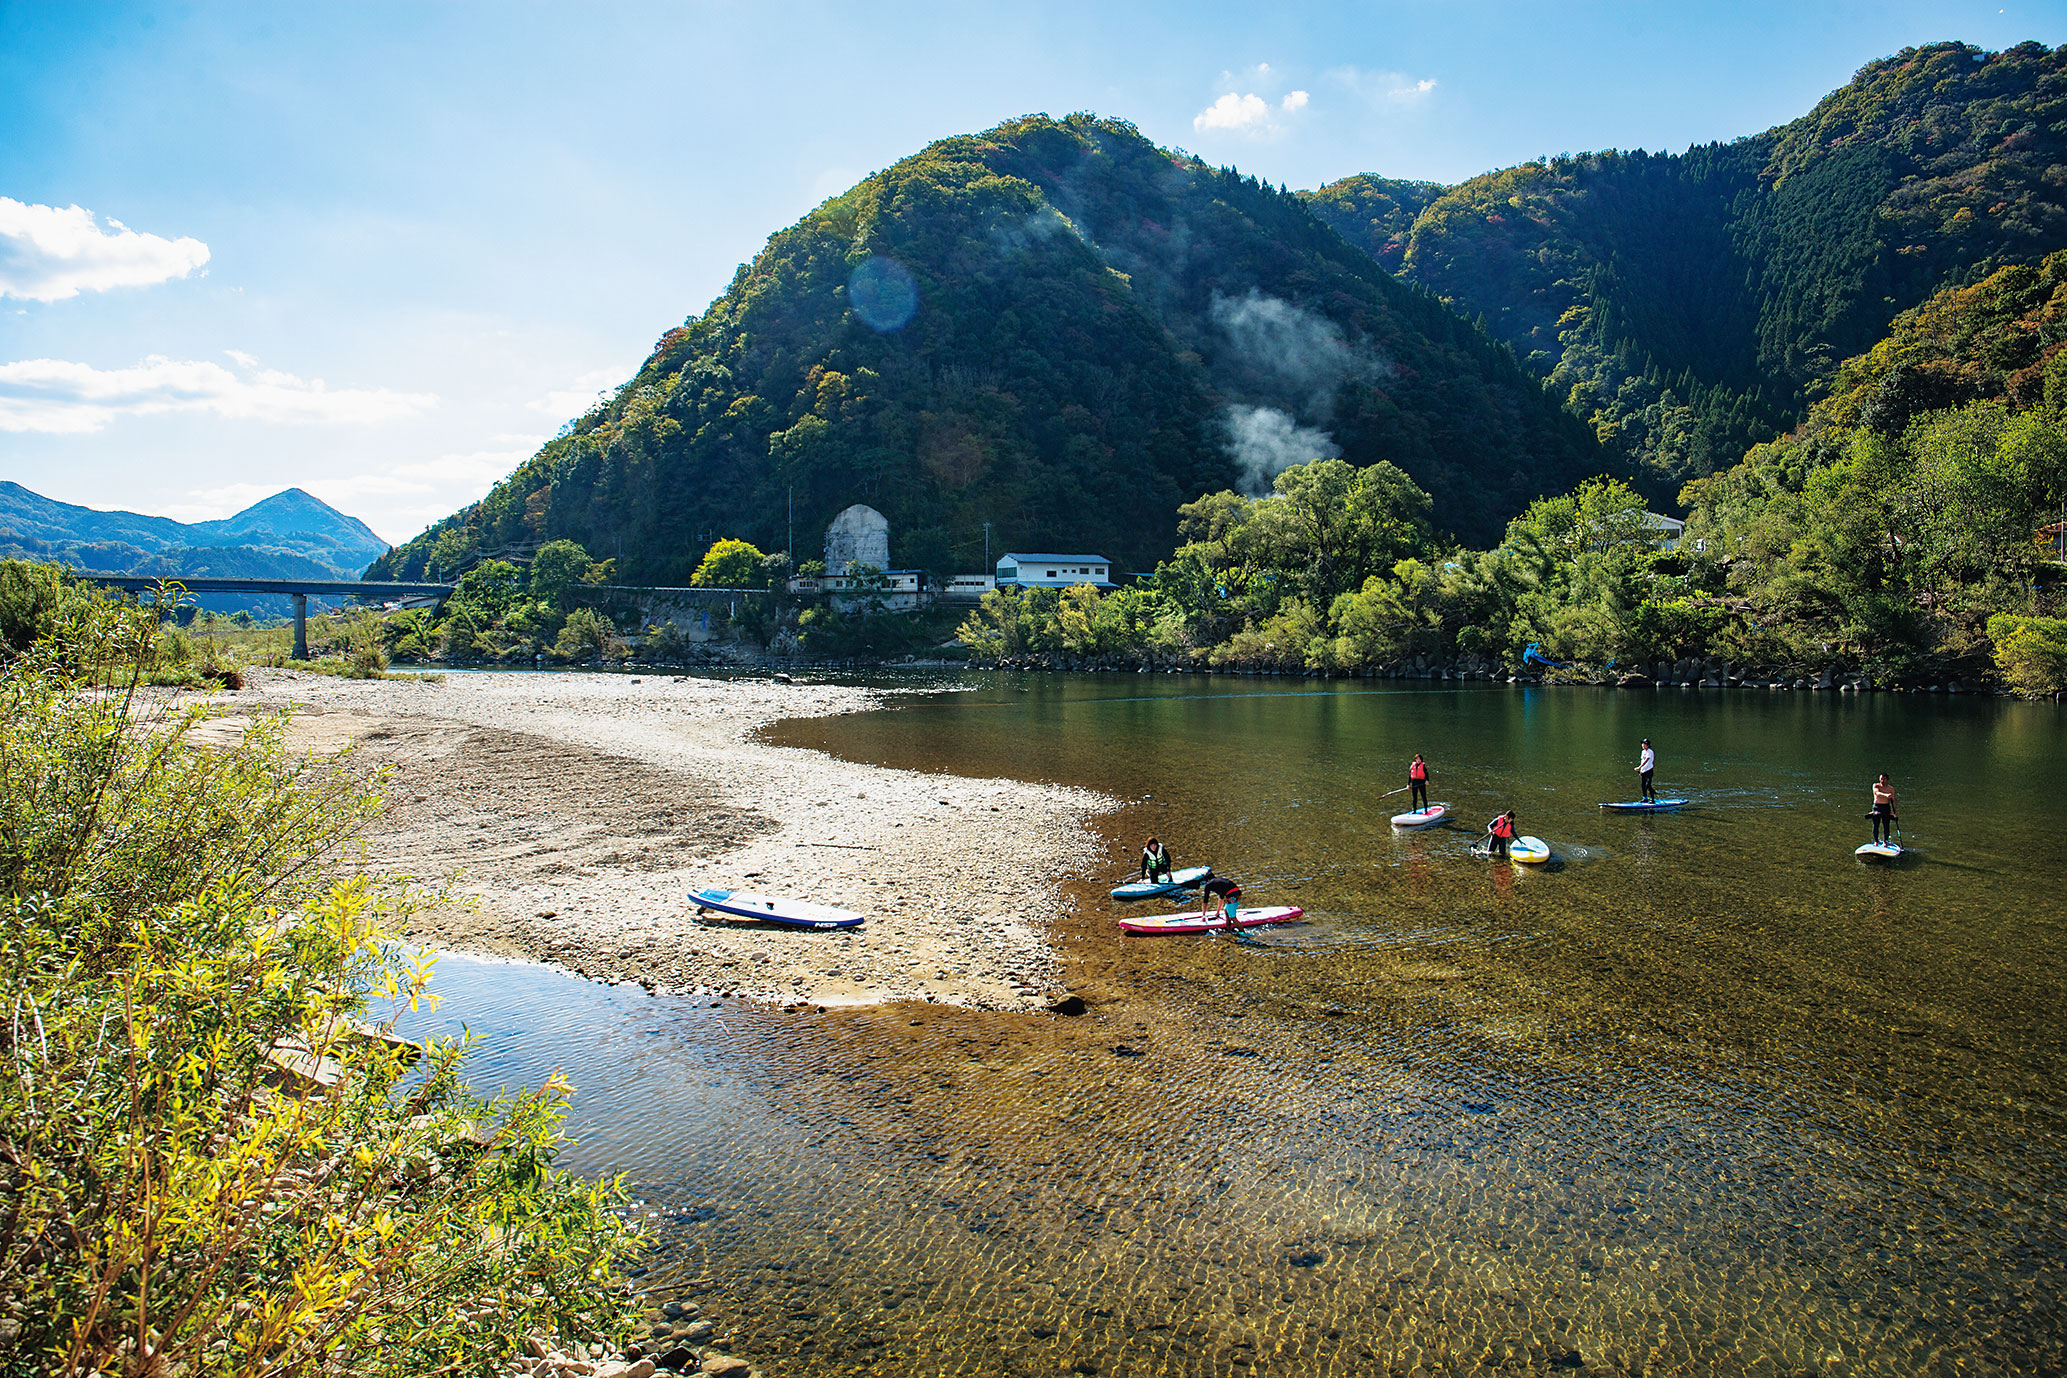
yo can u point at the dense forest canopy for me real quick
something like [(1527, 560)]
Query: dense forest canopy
[(1055, 327), (1689, 306)]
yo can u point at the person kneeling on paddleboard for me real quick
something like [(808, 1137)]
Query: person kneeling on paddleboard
[(1155, 861), (1646, 763), (1224, 894), (1884, 816), (1417, 781), (1499, 833)]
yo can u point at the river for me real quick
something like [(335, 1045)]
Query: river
[(1704, 1095)]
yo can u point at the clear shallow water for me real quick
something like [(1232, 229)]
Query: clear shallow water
[(1706, 1095)]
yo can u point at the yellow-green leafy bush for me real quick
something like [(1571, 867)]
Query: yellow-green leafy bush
[(208, 1163)]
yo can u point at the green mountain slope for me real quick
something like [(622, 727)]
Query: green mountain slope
[(1055, 327), (1687, 306)]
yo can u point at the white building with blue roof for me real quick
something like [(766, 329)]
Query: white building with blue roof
[(1041, 571)]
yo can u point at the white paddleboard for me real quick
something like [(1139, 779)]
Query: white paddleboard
[(1421, 818), (1879, 851), (745, 904), (1211, 920), (1532, 851)]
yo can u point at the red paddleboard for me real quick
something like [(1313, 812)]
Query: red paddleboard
[(1212, 920)]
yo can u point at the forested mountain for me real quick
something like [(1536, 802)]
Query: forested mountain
[(1687, 306), (1055, 327), (288, 535)]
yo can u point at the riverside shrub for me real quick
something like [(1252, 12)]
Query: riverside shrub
[(208, 1163), (2031, 652)]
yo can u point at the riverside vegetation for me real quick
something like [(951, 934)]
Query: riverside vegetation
[(208, 1163)]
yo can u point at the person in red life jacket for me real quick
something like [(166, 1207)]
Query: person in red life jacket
[(1499, 833), (1222, 894), (1417, 781)]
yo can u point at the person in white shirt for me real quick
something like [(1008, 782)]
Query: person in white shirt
[(1646, 763)]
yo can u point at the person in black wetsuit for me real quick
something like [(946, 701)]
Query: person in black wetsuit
[(1155, 861), (1417, 783), (1222, 894)]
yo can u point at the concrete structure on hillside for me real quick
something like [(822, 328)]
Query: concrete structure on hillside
[(858, 536), (1054, 571)]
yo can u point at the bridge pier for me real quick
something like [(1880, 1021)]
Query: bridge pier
[(301, 626)]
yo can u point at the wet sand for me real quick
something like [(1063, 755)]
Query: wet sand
[(577, 811)]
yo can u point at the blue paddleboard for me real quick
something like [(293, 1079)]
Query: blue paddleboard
[(790, 913), (1150, 889), (1645, 805)]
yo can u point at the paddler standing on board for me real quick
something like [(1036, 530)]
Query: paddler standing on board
[(1884, 816), (1646, 763), (1417, 781)]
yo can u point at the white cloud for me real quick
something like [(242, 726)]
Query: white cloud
[(49, 253), (1247, 113), (58, 397), (570, 402), (1233, 112), (1384, 87)]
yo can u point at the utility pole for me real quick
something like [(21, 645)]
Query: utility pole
[(789, 546), (987, 565)]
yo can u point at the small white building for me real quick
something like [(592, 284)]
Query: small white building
[(966, 588), (897, 589), (1054, 571), (1664, 531)]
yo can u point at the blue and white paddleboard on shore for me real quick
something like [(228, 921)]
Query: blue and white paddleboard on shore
[(1645, 805), (1151, 889), (1421, 818), (745, 904)]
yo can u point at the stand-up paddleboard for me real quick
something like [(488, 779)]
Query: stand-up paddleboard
[(1646, 805), (1529, 850), (1421, 818), (774, 909), (1150, 889), (1879, 851), (1212, 920)]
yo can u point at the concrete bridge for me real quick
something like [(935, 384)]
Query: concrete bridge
[(298, 589)]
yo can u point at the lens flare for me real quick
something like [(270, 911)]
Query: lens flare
[(882, 294)]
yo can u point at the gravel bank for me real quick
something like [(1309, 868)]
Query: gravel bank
[(579, 810)]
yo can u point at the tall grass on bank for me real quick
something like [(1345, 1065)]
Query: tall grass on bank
[(208, 1164)]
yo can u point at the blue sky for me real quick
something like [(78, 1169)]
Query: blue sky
[(383, 251)]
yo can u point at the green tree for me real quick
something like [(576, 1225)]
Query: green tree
[(558, 569), (731, 564)]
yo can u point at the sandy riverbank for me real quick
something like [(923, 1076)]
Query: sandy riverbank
[(578, 810)]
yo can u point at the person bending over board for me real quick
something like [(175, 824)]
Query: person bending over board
[(1646, 763), (1221, 893), (1499, 833), (1155, 861), (1417, 781), (1884, 816)]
